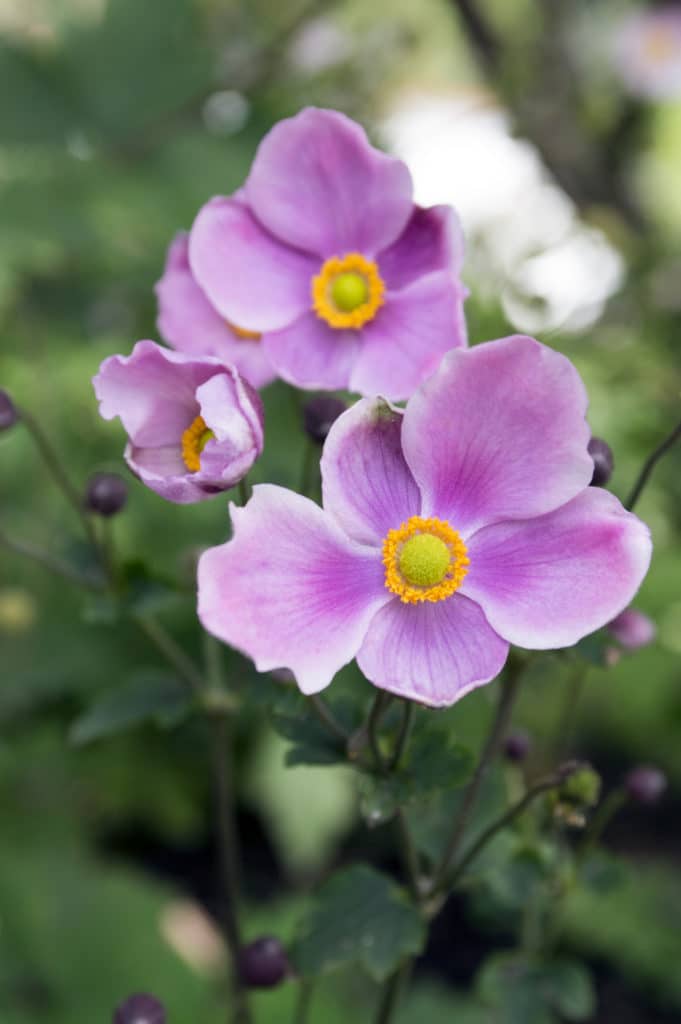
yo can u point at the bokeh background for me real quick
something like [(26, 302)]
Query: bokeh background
[(118, 120)]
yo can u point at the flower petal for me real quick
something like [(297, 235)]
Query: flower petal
[(232, 409), (153, 390), (253, 280), (164, 472), (409, 336), (547, 582), (310, 354), (498, 433), (431, 241), (290, 590), (189, 323), (317, 184), (366, 483), (431, 653)]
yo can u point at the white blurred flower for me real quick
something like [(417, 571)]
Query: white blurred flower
[(318, 45)]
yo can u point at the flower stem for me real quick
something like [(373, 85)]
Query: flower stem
[(379, 706), (509, 691), (649, 465), (301, 1010), (403, 735), (391, 993), (171, 651), (245, 490), (601, 819), (325, 715), (53, 564), (515, 810)]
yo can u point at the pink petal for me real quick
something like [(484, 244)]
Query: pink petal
[(153, 390), (367, 486), (310, 354), (406, 340), (252, 280), (317, 184), (189, 323), (498, 433), (431, 653), (164, 472), (431, 241), (290, 590), (547, 582)]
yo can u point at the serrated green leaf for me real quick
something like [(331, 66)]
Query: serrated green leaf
[(147, 697), (360, 917)]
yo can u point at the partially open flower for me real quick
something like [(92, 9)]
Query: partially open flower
[(632, 629), (604, 463), (189, 322), (195, 426), (448, 531), (647, 53), (319, 415), (324, 252)]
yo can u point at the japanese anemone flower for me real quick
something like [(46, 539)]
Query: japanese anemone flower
[(324, 253), (448, 532), (194, 425), (189, 323)]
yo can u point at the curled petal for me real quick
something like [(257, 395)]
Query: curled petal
[(163, 471), (310, 354), (367, 485), (317, 184), (431, 653), (189, 322), (431, 241), (290, 590), (409, 336), (498, 432), (549, 581), (253, 280)]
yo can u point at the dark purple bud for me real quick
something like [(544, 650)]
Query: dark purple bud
[(8, 412), (140, 1009), (319, 414), (263, 963), (604, 461), (106, 494), (517, 746), (645, 784)]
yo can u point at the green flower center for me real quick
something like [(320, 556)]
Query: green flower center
[(349, 290), (424, 560)]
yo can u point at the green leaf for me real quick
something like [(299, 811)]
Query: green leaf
[(147, 697), (313, 743), (434, 762), (360, 917), (525, 990)]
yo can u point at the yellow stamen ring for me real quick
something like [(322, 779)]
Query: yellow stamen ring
[(242, 333), (425, 560), (348, 291), (194, 440)]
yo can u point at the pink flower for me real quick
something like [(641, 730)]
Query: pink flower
[(188, 322), (448, 532), (632, 629), (324, 252), (195, 426), (648, 53)]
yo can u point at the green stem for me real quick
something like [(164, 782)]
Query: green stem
[(245, 490), (514, 811), (171, 651), (303, 1002), (391, 993), (601, 819), (403, 735), (410, 854), (326, 716), (50, 562), (310, 464), (567, 719), (379, 706), (649, 465), (509, 692)]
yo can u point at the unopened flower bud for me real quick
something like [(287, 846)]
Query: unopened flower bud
[(8, 412), (319, 414), (517, 746), (582, 788), (604, 461), (263, 963), (106, 494), (632, 629), (645, 784), (140, 1009)]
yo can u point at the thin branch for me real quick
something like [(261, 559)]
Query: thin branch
[(326, 716), (403, 735), (649, 465), (51, 562), (172, 652)]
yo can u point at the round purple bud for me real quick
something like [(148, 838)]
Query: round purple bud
[(263, 963), (517, 746), (604, 461), (645, 784), (8, 412), (140, 1009), (106, 494), (319, 414), (632, 629)]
